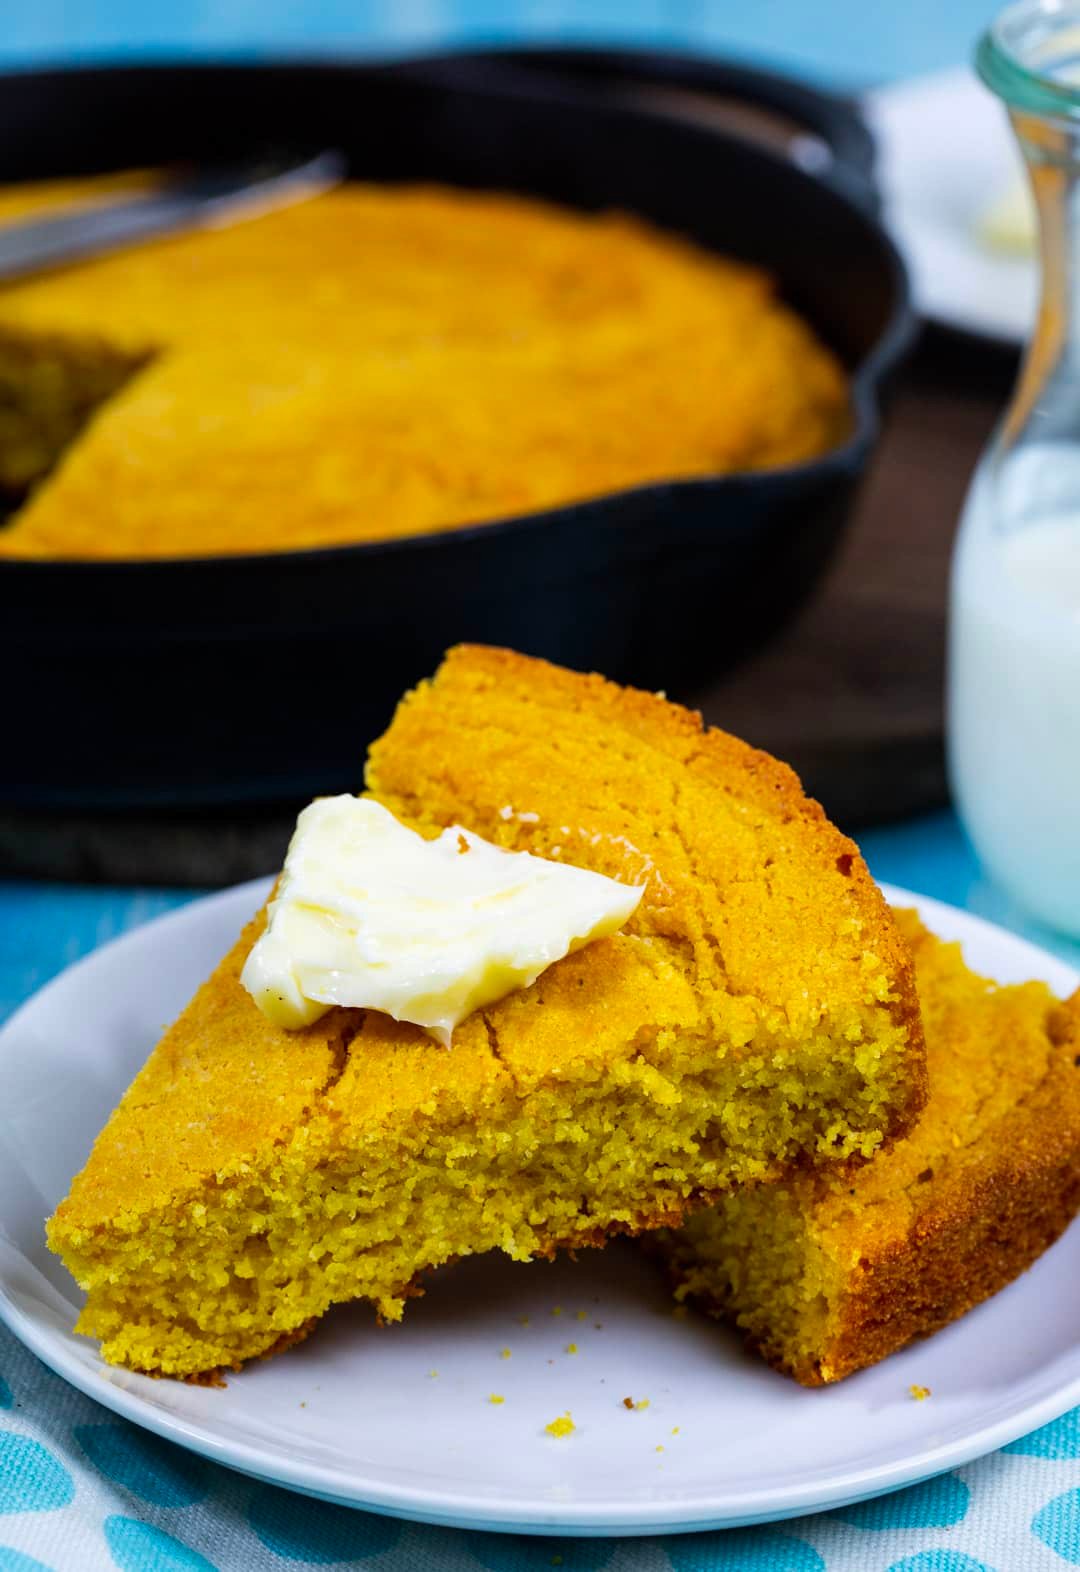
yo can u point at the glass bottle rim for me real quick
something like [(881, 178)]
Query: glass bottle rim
[(1015, 57)]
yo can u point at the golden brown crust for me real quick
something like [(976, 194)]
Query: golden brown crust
[(962, 1251), (981, 1228), (948, 1217)]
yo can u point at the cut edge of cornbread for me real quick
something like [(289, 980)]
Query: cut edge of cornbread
[(53, 383), (252, 1177), (51, 387), (831, 1273)]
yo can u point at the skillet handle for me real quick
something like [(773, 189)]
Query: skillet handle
[(823, 132)]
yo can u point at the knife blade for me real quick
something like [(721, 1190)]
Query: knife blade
[(210, 198)]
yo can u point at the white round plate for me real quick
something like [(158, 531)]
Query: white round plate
[(399, 1419), (945, 153)]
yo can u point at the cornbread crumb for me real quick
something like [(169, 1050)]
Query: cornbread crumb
[(642, 1402), (563, 1426), (659, 1449), (432, 1374), (505, 1354), (496, 1398), (675, 1431), (628, 1402), (582, 1315), (919, 1393), (557, 1310), (571, 1348)]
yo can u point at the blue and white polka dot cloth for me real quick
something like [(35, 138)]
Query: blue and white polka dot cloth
[(82, 1491)]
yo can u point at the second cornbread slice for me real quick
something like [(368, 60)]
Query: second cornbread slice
[(757, 1013), (833, 1271)]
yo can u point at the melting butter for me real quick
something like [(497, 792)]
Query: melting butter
[(369, 914)]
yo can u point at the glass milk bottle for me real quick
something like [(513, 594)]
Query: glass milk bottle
[(1014, 623)]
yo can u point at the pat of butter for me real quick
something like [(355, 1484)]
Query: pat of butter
[(369, 914), (1010, 224)]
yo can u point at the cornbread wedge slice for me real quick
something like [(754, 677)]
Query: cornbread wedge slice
[(757, 1012), (832, 1272)]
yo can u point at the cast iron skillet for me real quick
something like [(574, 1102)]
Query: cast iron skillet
[(264, 677)]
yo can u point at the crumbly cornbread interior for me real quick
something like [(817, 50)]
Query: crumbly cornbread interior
[(385, 361), (833, 1271), (756, 1012), (50, 385)]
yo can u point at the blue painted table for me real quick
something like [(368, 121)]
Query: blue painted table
[(79, 1491)]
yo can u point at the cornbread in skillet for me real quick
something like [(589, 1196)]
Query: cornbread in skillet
[(756, 1012), (386, 361), (833, 1272)]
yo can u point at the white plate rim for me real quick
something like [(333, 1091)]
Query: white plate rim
[(449, 1508)]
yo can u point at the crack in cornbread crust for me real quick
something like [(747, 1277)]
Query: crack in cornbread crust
[(988, 1180), (50, 389), (250, 1179)]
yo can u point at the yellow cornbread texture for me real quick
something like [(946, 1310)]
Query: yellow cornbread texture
[(381, 362), (833, 1272), (758, 1011)]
